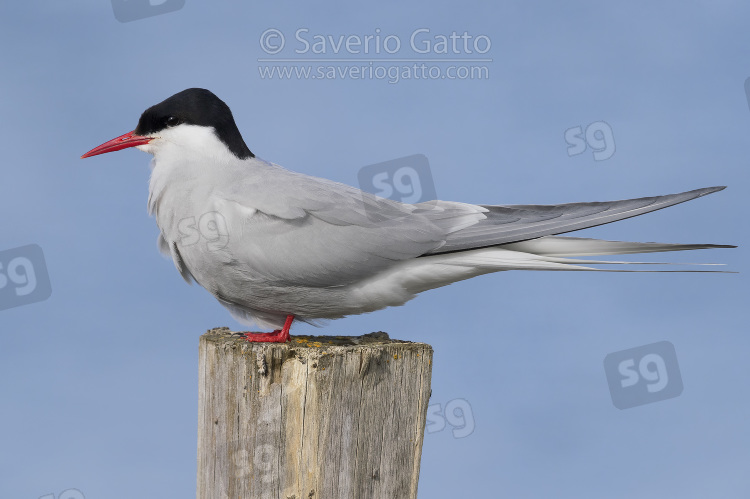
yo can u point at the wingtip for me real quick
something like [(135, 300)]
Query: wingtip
[(710, 190)]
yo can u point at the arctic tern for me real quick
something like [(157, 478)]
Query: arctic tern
[(273, 245)]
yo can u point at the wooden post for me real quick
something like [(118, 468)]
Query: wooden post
[(320, 417)]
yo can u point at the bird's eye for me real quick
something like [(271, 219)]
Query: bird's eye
[(173, 121)]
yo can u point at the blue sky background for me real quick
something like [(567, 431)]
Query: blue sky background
[(99, 383)]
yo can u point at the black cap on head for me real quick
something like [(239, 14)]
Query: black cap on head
[(195, 106)]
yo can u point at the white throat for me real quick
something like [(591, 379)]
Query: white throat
[(187, 158)]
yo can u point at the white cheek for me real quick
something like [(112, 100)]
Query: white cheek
[(186, 140)]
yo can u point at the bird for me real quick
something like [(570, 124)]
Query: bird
[(274, 246)]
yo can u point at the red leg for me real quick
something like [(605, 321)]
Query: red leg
[(278, 336)]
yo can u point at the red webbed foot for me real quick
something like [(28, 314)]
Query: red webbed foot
[(278, 336)]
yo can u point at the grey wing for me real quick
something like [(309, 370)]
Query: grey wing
[(512, 223), (312, 231), (290, 228), (320, 248)]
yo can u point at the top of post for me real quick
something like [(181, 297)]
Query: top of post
[(227, 337)]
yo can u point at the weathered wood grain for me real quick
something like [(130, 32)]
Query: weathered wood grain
[(315, 418)]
